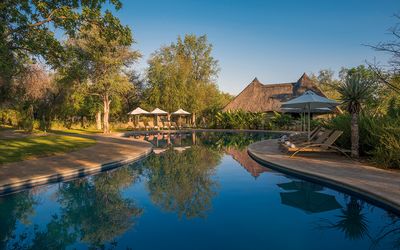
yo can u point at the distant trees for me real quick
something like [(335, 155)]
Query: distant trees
[(183, 75)]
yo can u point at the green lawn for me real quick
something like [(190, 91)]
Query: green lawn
[(77, 131), (19, 149)]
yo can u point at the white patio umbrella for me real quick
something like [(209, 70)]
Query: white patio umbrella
[(138, 111), (181, 112), (310, 101), (158, 112)]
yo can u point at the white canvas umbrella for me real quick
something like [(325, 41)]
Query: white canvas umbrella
[(158, 112), (180, 112), (310, 101), (138, 111)]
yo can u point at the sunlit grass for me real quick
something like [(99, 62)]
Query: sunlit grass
[(12, 150), (78, 131)]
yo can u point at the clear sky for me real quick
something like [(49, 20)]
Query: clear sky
[(275, 41)]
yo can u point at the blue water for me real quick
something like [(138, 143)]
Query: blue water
[(200, 191)]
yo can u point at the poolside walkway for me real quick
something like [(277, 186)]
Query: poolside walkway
[(109, 152), (370, 182)]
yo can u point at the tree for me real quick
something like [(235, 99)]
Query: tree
[(105, 57), (355, 91), (183, 75), (31, 90), (327, 83), (390, 76), (24, 35)]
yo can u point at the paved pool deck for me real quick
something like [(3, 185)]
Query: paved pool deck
[(374, 184), (109, 152)]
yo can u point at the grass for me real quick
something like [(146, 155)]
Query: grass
[(12, 150), (80, 131)]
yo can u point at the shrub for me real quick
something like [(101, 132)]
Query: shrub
[(239, 120), (379, 137)]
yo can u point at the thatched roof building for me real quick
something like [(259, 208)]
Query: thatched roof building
[(258, 97)]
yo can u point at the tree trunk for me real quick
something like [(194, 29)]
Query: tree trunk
[(98, 120), (106, 114), (354, 135)]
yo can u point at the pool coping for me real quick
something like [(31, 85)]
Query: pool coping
[(386, 202), (27, 183), (189, 130)]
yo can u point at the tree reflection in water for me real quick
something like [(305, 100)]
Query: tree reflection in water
[(17, 207), (92, 210), (96, 209), (353, 222), (181, 181)]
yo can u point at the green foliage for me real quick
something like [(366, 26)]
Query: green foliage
[(239, 120), (247, 120), (9, 117), (281, 121), (379, 137), (183, 75), (356, 90), (27, 31)]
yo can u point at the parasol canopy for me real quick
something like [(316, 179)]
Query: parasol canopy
[(138, 111), (158, 111), (181, 112)]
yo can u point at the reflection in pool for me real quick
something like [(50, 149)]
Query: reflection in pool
[(200, 191)]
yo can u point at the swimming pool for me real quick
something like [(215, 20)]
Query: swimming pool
[(197, 191)]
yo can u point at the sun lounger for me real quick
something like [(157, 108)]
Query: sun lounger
[(130, 125), (160, 125), (168, 125), (317, 139), (151, 125), (141, 126), (298, 137), (319, 145)]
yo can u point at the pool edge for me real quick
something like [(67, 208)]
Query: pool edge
[(375, 199)]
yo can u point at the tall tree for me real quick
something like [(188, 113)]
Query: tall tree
[(183, 75), (355, 91), (25, 35), (105, 57)]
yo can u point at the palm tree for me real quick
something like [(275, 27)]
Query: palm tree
[(355, 91)]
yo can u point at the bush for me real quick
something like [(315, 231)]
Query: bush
[(379, 137), (281, 121), (387, 152), (239, 120), (9, 117)]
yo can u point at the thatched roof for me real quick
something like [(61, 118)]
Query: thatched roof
[(258, 97), (244, 159)]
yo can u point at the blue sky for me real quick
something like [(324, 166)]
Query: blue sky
[(275, 41)]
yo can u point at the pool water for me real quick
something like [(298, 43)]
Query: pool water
[(198, 191)]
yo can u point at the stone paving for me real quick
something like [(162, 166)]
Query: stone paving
[(109, 152), (379, 185)]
